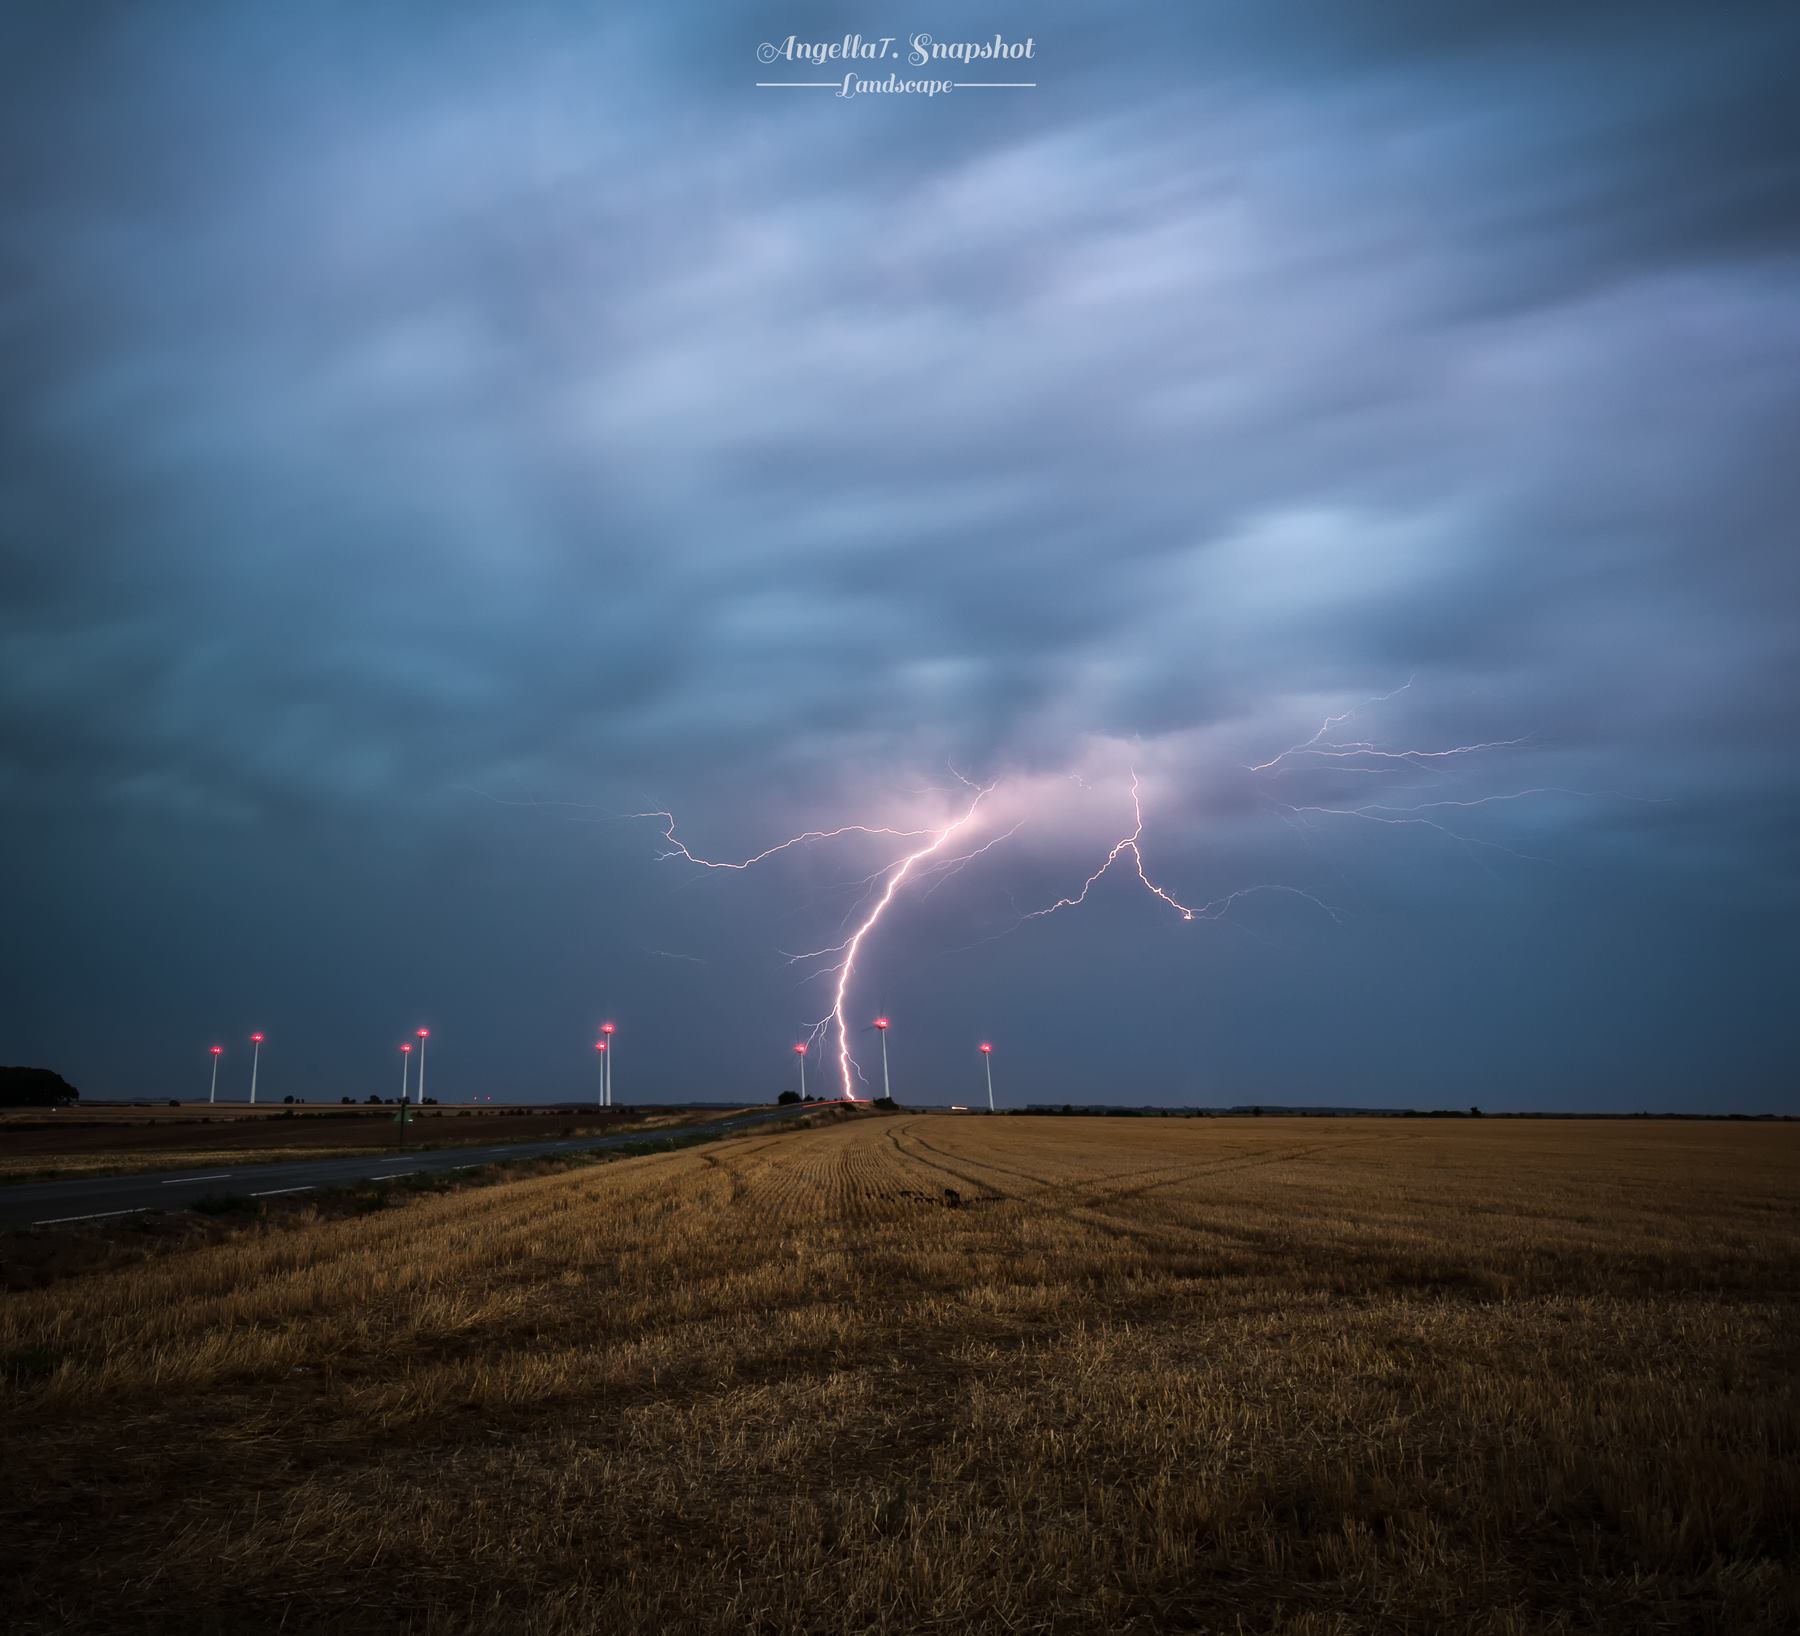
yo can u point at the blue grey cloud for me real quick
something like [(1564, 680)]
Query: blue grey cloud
[(415, 419)]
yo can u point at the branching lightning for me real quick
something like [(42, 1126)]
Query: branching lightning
[(1368, 757), (678, 849), (1327, 724), (1133, 843), (846, 968), (935, 856)]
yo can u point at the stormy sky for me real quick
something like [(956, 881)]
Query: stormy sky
[(429, 433)]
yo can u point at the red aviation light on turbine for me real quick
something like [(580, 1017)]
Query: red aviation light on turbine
[(609, 1028), (424, 1033), (881, 1022), (599, 1045), (800, 1049), (256, 1039), (986, 1049), (218, 1050), (407, 1046)]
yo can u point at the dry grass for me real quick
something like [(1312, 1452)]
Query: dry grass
[(940, 1373), (20, 1167)]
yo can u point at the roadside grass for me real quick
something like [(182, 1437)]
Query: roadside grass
[(124, 1155), (36, 1257), (933, 1373), (73, 1166)]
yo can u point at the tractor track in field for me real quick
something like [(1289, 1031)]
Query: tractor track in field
[(1089, 1201)]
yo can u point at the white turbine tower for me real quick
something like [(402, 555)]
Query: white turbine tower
[(881, 1027)]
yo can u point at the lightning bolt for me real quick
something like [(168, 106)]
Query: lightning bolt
[(1133, 843), (1129, 844), (846, 968), (678, 849), (838, 962), (890, 877), (1367, 757), (1326, 726), (1321, 748)]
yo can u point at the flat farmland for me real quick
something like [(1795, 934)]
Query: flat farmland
[(951, 1373)]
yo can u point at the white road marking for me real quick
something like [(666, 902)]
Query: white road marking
[(223, 1175)]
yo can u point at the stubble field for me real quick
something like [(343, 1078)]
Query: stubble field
[(951, 1373)]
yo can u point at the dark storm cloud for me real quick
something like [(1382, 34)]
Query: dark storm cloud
[(400, 405)]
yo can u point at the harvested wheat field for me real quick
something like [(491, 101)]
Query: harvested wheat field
[(951, 1373)]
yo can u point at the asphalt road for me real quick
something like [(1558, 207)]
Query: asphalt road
[(44, 1204)]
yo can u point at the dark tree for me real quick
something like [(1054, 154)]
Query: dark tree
[(788, 1098), (34, 1088)]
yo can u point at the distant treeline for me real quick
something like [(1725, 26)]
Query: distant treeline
[(1069, 1110)]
